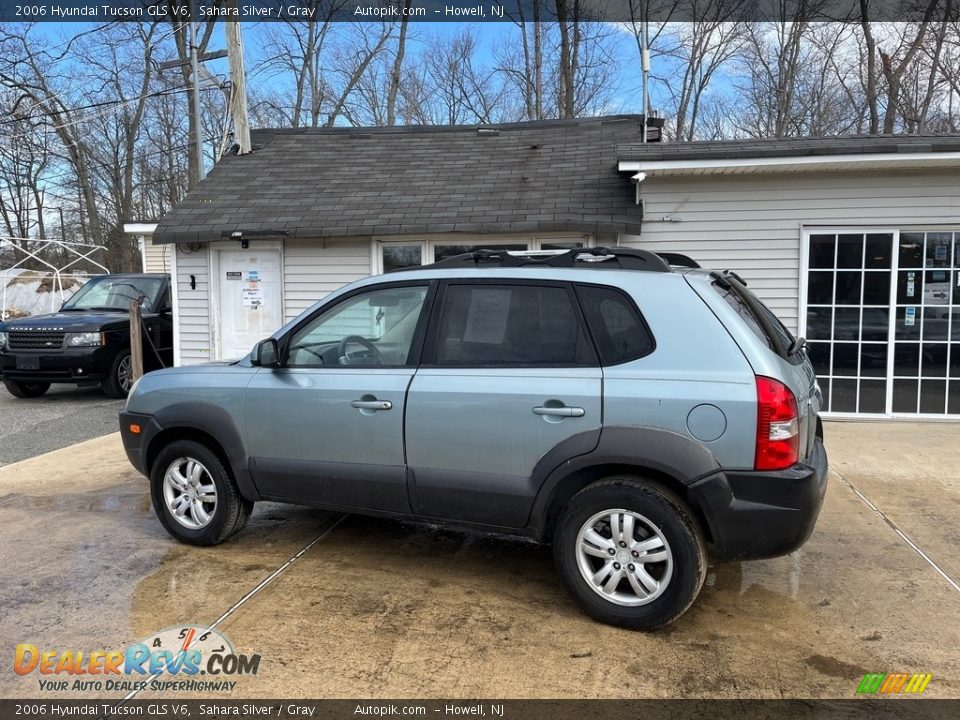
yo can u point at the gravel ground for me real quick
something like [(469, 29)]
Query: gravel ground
[(64, 416)]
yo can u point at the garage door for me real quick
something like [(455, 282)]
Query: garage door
[(882, 318)]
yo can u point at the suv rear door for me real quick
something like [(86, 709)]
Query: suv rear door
[(508, 373)]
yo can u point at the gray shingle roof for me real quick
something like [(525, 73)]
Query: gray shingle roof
[(523, 177), (792, 147)]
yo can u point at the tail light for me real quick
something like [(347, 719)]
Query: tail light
[(778, 426)]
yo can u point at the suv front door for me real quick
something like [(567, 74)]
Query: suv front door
[(326, 428), (508, 374)]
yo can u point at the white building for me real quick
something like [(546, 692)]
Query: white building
[(854, 242)]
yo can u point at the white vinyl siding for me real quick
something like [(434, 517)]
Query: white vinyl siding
[(193, 311), (156, 258), (314, 268), (752, 224), (311, 270)]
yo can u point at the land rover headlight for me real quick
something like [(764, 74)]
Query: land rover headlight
[(3, 340), (84, 339)]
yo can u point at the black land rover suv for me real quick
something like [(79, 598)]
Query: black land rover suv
[(88, 341)]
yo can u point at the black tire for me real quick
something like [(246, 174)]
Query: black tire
[(230, 512), (114, 385), (25, 389), (676, 524)]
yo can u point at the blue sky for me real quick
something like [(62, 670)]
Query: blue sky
[(627, 96)]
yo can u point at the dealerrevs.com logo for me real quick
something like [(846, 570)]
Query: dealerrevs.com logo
[(190, 658), (894, 683)]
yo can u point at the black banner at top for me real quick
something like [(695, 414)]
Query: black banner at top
[(100, 11)]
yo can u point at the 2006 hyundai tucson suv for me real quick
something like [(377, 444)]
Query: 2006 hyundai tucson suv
[(629, 408)]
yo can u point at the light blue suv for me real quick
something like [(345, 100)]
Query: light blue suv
[(629, 408)]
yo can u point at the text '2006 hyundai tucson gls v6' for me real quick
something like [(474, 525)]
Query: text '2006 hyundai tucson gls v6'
[(628, 411)]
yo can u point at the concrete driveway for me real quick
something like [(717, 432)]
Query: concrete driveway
[(373, 608)]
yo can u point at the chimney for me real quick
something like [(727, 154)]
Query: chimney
[(654, 128)]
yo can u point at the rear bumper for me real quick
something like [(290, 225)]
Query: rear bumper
[(763, 514), (76, 365)]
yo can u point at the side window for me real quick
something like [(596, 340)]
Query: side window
[(373, 329), (619, 331), (510, 325)]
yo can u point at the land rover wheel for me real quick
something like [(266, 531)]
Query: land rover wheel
[(25, 389), (194, 495), (630, 553), (119, 379)]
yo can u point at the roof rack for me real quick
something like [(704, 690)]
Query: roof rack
[(594, 258), (679, 259)]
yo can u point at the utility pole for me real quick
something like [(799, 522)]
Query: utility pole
[(645, 67), (196, 68), (238, 78), (195, 89)]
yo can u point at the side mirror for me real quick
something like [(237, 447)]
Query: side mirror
[(266, 354)]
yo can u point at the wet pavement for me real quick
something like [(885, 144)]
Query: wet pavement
[(378, 608)]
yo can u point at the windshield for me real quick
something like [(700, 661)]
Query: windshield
[(116, 293)]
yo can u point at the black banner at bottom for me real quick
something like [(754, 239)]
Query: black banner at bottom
[(874, 709)]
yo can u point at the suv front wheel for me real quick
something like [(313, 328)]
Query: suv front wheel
[(195, 496), (630, 553), (25, 389)]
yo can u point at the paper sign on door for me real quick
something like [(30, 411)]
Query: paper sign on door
[(253, 296)]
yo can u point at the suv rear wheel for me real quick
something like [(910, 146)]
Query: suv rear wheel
[(195, 496), (26, 389), (630, 553)]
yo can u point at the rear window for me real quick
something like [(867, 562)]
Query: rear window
[(510, 326), (619, 331), (783, 336)]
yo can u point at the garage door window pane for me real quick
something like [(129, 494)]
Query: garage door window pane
[(905, 396), (911, 250), (873, 359), (907, 323), (878, 251), (822, 249), (934, 360), (906, 359), (849, 251), (953, 400), (820, 290), (846, 324), (819, 354), (876, 324), (939, 249), (910, 287), (873, 396), (819, 323), (876, 288), (936, 323), (848, 288), (933, 396), (845, 356), (844, 396)]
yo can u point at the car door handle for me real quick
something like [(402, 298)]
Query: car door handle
[(372, 404), (562, 411)]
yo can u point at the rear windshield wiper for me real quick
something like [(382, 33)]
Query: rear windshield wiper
[(796, 346)]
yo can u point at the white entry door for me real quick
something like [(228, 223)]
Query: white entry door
[(248, 297)]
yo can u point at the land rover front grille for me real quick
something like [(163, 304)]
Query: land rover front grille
[(35, 340)]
